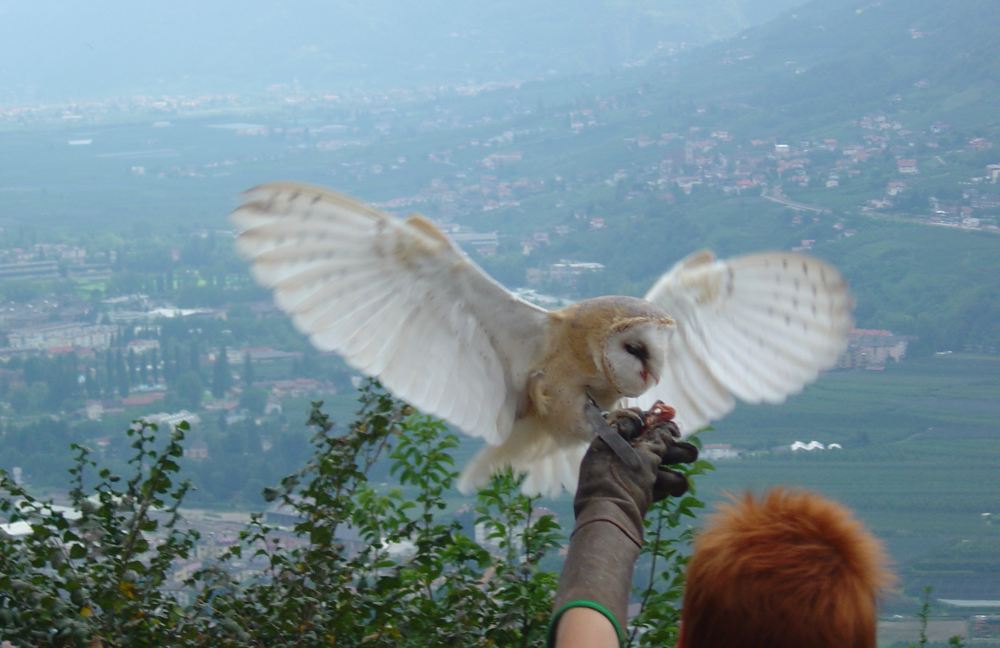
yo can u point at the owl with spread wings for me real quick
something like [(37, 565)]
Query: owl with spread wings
[(400, 301)]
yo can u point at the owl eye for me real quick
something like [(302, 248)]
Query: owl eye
[(637, 350)]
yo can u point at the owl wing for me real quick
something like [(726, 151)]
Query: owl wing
[(397, 299), (757, 327)]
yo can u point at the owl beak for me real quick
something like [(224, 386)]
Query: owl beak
[(646, 374)]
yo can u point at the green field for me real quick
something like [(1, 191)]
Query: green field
[(920, 464), (946, 398)]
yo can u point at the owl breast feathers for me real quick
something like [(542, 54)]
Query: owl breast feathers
[(400, 301)]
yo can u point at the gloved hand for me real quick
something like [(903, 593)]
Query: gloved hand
[(610, 503), (606, 484)]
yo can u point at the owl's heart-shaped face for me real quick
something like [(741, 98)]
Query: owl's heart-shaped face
[(635, 354)]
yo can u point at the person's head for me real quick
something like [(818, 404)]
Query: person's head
[(790, 568)]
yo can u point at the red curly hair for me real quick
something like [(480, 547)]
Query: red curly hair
[(790, 569)]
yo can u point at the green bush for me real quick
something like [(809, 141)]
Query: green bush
[(98, 573)]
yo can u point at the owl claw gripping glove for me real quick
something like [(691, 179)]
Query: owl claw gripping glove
[(610, 503)]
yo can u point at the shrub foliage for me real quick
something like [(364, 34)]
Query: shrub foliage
[(363, 564)]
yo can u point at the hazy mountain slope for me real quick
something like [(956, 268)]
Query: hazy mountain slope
[(828, 61), (806, 76), (54, 49)]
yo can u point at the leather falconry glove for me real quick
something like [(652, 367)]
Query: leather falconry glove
[(610, 503)]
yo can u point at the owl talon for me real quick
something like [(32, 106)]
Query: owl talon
[(627, 422)]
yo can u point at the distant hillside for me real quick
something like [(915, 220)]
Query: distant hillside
[(667, 158), (828, 61), (52, 49), (926, 71)]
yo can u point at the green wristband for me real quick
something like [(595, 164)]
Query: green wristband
[(593, 605)]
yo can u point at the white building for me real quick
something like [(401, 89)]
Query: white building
[(163, 419), (56, 336), (717, 451)]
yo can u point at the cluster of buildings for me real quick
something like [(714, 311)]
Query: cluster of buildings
[(872, 349), (563, 273), (726, 451), (62, 337), (23, 316), (484, 174), (53, 261), (66, 323)]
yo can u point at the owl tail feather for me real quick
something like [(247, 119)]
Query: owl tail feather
[(548, 467)]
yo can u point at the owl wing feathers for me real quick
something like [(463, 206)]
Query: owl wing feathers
[(397, 299), (757, 327)]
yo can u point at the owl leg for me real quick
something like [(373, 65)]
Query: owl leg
[(612, 436), (536, 396)]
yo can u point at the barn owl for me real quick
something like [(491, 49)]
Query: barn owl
[(400, 301)]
